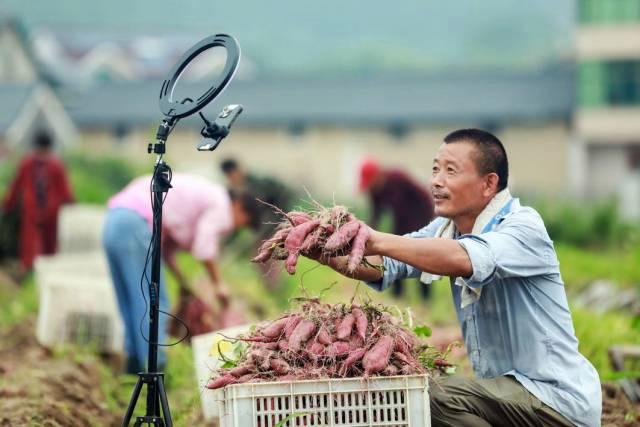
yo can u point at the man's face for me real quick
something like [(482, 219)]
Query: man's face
[(457, 187)]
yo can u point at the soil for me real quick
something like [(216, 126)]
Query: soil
[(37, 389), (617, 410)]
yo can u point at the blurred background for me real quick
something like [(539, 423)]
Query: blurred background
[(324, 85)]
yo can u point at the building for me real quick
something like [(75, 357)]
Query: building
[(26, 102), (607, 117), (313, 133)]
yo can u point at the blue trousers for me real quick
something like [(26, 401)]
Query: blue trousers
[(126, 240)]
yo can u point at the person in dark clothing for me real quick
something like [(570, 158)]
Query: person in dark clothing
[(409, 203), (39, 189), (269, 190)]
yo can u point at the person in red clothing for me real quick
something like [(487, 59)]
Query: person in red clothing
[(409, 203), (38, 190)]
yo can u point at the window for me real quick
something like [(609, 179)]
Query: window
[(609, 83), (623, 83), (603, 11)]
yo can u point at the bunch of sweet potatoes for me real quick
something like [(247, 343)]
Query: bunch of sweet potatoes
[(328, 232), (325, 341)]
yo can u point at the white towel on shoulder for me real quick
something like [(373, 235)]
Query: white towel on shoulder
[(447, 230)]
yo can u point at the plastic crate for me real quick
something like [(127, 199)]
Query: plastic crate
[(79, 309), (74, 264), (80, 228), (206, 361), (376, 401)]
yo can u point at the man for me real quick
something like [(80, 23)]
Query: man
[(38, 191), (410, 204), (196, 216), (269, 190), (507, 291)]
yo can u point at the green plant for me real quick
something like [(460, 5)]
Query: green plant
[(94, 180), (584, 225), (597, 332)]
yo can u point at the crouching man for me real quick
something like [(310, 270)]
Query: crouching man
[(507, 291)]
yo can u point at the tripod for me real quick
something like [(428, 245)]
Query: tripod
[(160, 185), (154, 380)]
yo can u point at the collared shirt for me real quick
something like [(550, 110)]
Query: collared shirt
[(521, 324), (196, 213)]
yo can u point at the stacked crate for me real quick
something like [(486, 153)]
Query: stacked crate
[(77, 302)]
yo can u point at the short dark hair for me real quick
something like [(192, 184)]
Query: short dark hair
[(250, 205), (491, 156), (42, 140), (228, 165)]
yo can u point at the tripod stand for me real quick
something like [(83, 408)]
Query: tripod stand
[(154, 380)]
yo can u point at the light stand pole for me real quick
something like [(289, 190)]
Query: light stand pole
[(160, 185)]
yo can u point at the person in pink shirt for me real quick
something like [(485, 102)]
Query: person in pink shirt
[(197, 215)]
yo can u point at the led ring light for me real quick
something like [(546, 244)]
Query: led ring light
[(175, 108)]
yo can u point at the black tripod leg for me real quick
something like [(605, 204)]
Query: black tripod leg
[(132, 403), (165, 404)]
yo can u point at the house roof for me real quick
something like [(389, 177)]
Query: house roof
[(380, 100), (13, 98)]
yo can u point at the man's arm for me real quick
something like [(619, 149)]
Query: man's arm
[(168, 254), (219, 288), (444, 257)]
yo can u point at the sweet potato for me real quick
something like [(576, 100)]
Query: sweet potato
[(294, 241), (401, 345), (240, 370), (315, 349), (342, 236), (353, 357), (390, 370), (283, 345), (301, 334), (357, 248), (311, 241), (345, 327), (275, 329), (248, 378), (222, 381), (323, 336), (377, 358), (297, 235), (268, 246), (361, 322), (280, 366), (298, 217), (336, 349), (291, 325), (291, 262), (273, 345), (355, 341)]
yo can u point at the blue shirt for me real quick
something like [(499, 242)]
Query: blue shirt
[(521, 324)]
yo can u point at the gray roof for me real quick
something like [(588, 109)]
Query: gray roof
[(384, 100), (12, 100)]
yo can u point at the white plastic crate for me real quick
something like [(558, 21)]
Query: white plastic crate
[(206, 361), (88, 263), (80, 228), (377, 401), (79, 309)]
